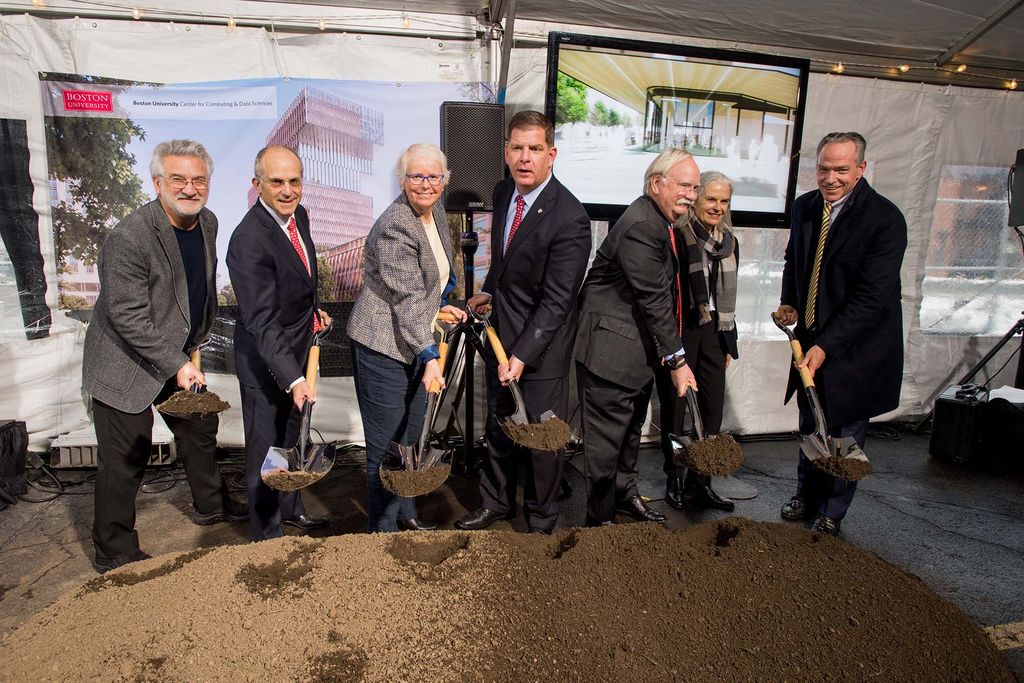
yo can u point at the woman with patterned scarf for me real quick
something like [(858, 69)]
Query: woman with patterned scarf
[(709, 259)]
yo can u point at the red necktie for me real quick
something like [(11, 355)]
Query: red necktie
[(516, 220), (679, 288), (293, 234)]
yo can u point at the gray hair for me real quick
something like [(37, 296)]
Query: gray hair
[(711, 177), (178, 148), (423, 150), (257, 166), (663, 163), (856, 138)]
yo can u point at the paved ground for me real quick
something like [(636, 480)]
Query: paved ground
[(959, 530)]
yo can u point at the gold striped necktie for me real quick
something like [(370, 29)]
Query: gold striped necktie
[(812, 292)]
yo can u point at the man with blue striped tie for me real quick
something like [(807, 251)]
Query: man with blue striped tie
[(841, 286)]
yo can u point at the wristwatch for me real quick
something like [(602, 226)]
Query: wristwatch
[(677, 361)]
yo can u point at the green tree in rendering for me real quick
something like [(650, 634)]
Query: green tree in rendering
[(571, 100)]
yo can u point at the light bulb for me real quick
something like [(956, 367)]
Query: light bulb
[(1012, 85), (322, 24), (38, 3), (961, 68), (839, 68), (405, 20), (231, 22), (904, 68)]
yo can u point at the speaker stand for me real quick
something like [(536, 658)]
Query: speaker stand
[(469, 243)]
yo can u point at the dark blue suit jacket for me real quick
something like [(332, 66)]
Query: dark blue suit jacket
[(276, 299)]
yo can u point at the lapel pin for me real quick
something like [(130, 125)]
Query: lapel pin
[(540, 210)]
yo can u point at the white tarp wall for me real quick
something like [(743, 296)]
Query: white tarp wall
[(921, 138)]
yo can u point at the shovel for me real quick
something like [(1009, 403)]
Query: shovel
[(183, 403), (290, 469), (839, 456), (717, 455), (550, 434), (419, 468)]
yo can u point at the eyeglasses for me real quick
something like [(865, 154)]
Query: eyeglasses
[(685, 187), (178, 182), (278, 183), (419, 179)]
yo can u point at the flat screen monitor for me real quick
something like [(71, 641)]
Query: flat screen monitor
[(618, 103)]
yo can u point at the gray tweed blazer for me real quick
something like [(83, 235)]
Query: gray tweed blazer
[(394, 313), (134, 341)]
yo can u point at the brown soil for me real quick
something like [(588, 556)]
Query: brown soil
[(285, 480), (411, 483), (851, 469), (716, 456), (725, 600), (190, 403), (549, 435)]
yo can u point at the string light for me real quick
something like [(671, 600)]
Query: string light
[(322, 24), (961, 68), (231, 23), (839, 68), (405, 20), (136, 13), (1012, 85), (904, 68), (38, 3)]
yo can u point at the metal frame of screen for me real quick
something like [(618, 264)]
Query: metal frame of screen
[(745, 218)]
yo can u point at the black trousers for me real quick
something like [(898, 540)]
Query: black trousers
[(125, 443), (542, 470), (612, 416), (270, 419), (705, 355)]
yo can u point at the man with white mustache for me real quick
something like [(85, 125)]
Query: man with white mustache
[(158, 273), (631, 324)]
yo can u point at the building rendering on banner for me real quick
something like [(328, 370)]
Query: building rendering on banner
[(334, 138)]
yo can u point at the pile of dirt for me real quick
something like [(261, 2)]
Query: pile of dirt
[(717, 456), (411, 483), (187, 403), (548, 435), (723, 600), (851, 469)]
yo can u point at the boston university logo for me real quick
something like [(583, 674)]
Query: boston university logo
[(88, 100)]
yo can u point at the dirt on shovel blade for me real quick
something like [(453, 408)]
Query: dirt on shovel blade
[(716, 456), (410, 483), (285, 480), (192, 403), (850, 469), (549, 435)]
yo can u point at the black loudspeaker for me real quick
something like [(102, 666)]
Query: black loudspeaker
[(473, 138), (1017, 192)]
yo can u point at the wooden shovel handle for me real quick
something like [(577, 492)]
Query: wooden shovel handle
[(195, 360), (445, 317), (435, 386), (805, 374), (312, 365), (499, 350)]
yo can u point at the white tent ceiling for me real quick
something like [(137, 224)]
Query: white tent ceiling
[(871, 37)]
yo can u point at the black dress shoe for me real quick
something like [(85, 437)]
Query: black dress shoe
[(636, 508), (307, 522), (233, 512), (826, 525), (481, 519), (415, 525), (795, 508), (535, 530), (594, 522), (704, 497), (674, 493), (105, 564)]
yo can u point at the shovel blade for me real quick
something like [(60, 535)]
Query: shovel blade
[(848, 448), (815, 446), (399, 457)]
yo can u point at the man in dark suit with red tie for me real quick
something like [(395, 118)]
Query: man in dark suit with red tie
[(841, 286), (272, 263), (540, 245)]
